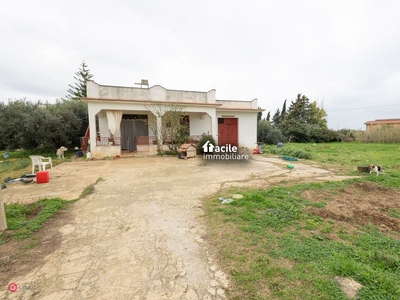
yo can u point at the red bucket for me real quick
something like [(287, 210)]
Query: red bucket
[(42, 177)]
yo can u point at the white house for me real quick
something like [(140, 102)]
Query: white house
[(119, 118)]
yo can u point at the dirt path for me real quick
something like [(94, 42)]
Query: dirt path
[(139, 236)]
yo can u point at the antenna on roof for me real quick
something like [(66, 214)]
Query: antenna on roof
[(143, 82)]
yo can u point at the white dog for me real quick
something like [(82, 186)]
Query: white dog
[(376, 169), (60, 152)]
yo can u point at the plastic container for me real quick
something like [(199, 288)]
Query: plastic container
[(42, 177)]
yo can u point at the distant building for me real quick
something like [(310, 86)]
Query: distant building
[(380, 122)]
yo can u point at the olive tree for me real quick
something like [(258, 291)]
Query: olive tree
[(168, 125)]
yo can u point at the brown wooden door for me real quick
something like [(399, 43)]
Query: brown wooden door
[(227, 131)]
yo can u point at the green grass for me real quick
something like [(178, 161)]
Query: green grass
[(394, 213), (346, 157), (274, 247), (87, 191), (23, 220), (18, 163), (265, 228)]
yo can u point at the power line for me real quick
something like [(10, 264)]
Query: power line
[(367, 107)]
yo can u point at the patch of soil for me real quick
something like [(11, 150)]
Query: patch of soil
[(359, 204), (18, 257), (32, 213)]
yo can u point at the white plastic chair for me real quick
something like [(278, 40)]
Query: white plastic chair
[(40, 162)]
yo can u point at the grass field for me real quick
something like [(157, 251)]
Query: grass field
[(18, 163), (23, 220), (345, 157), (297, 241)]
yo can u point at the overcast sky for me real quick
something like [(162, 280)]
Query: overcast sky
[(343, 54)]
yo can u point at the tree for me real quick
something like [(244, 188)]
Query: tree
[(268, 133), (303, 121), (12, 121), (300, 109), (259, 115), (78, 90), (172, 129), (294, 125), (28, 125), (268, 116), (283, 111), (276, 119), (318, 116)]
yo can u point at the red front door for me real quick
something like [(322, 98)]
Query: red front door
[(227, 131)]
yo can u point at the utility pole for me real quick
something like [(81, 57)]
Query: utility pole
[(3, 221)]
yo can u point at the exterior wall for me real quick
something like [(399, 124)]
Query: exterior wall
[(150, 149), (104, 151), (155, 93), (247, 127), (200, 123), (235, 104), (382, 122), (370, 126)]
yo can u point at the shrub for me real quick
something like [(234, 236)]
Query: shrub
[(268, 133), (287, 152), (36, 125)]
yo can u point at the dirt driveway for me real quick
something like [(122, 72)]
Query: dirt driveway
[(140, 234)]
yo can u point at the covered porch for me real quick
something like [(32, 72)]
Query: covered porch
[(126, 132)]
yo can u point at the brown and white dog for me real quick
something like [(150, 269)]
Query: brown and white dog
[(60, 152), (375, 168)]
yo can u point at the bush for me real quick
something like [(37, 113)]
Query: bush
[(267, 133), (346, 135), (204, 140), (28, 125), (287, 152), (168, 152)]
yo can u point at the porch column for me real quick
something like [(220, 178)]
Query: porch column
[(92, 130), (159, 128), (214, 127)]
